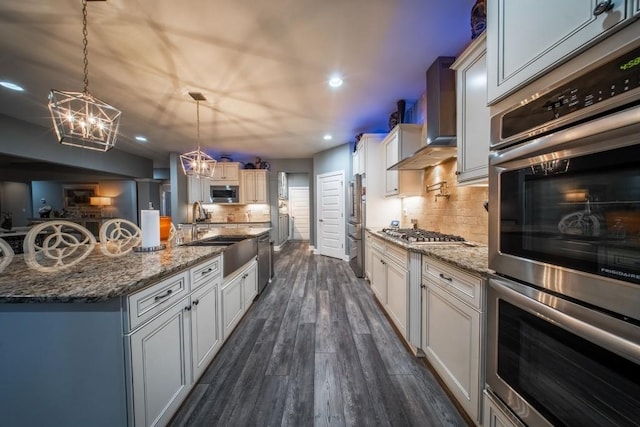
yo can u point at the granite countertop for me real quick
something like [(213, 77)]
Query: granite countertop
[(100, 274), (187, 224), (469, 256)]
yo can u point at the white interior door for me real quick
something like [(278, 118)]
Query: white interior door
[(330, 214), (299, 212)]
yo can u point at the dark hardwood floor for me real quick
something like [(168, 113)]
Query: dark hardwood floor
[(315, 349)]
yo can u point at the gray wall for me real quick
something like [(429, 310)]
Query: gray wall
[(18, 138), (333, 160), (298, 180), (15, 197), (148, 191), (179, 205)]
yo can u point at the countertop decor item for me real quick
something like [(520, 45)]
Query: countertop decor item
[(478, 18), (198, 163), (80, 119)]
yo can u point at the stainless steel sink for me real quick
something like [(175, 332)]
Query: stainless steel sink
[(238, 251)]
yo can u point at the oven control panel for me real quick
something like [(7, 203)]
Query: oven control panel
[(610, 80)]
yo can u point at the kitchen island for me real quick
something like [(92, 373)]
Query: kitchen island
[(102, 275), (113, 339)]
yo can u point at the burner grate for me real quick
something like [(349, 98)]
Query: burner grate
[(419, 235)]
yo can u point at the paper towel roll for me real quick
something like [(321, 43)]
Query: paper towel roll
[(150, 226)]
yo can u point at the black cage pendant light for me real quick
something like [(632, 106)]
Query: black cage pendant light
[(198, 163), (80, 119)]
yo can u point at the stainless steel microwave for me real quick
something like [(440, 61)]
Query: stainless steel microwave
[(225, 194)]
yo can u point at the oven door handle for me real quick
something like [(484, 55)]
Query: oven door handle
[(608, 332)]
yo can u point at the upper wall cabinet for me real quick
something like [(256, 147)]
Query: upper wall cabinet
[(526, 38), (198, 189), (283, 186), (472, 127), (254, 186), (226, 173), (400, 143)]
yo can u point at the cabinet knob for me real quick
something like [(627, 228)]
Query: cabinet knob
[(602, 7), (423, 286)]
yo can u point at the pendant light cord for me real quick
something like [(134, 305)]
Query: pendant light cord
[(198, 123), (85, 43)]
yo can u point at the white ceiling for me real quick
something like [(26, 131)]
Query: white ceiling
[(262, 65)]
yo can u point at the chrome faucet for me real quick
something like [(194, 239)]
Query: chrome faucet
[(199, 210)]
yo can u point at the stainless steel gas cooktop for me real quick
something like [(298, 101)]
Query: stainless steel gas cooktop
[(419, 236)]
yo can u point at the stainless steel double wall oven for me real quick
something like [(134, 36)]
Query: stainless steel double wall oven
[(563, 308)]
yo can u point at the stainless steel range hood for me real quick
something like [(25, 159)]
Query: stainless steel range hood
[(429, 155), (441, 118)]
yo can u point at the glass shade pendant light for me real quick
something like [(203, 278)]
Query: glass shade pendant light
[(198, 163), (80, 119)]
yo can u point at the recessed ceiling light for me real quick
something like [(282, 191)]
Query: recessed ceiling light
[(141, 138), (335, 81), (327, 137), (12, 86)]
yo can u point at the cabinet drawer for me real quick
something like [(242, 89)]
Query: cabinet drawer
[(201, 273), (462, 284), (397, 255), (149, 302), (377, 244)]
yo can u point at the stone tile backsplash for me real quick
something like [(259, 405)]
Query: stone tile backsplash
[(462, 213), (238, 213)]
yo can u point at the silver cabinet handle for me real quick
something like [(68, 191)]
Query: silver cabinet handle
[(166, 294)]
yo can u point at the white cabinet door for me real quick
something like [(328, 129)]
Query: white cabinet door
[(379, 276), (254, 186), (261, 189), (161, 368), (198, 189), (453, 345), (528, 37), (250, 285), (397, 296), (355, 165), (283, 229), (206, 334), (283, 187), (232, 305), (248, 186), (473, 118), (226, 173), (400, 143), (391, 158), (368, 252)]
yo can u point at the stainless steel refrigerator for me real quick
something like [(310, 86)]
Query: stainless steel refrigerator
[(356, 226)]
